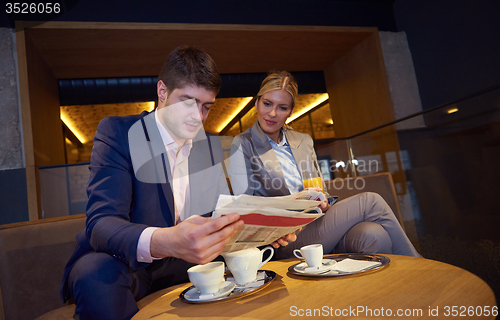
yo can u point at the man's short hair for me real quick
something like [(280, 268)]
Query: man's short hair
[(189, 65)]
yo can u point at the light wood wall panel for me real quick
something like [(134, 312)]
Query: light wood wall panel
[(48, 141), (360, 100), (42, 128), (32, 190), (358, 89)]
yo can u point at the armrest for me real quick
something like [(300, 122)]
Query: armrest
[(380, 183), (33, 255)]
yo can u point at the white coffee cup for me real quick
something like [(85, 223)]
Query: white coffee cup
[(207, 278), (313, 254), (244, 264)]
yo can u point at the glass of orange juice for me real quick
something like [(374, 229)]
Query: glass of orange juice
[(315, 182), (312, 177)]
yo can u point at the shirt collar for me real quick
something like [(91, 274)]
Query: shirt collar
[(283, 141), (166, 137)]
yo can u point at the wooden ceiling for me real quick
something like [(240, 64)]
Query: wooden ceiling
[(76, 50), (95, 50)]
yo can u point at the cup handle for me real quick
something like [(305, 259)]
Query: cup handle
[(268, 258), (298, 254)]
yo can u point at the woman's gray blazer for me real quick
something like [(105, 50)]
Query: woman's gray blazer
[(254, 167)]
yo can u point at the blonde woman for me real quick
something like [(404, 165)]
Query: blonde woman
[(268, 160)]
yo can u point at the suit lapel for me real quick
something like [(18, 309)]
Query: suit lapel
[(199, 159), (300, 155), (161, 163), (268, 157)]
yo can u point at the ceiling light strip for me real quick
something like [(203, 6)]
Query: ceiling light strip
[(67, 121), (237, 110), (320, 100), (238, 116)]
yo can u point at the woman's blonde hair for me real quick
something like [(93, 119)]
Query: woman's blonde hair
[(279, 80)]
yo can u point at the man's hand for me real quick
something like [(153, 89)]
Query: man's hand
[(196, 239), (283, 241)]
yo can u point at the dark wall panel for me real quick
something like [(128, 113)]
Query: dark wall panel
[(454, 45), (13, 197)]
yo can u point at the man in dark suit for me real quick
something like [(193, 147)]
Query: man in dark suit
[(152, 176)]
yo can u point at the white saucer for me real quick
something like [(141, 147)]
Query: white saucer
[(304, 268), (259, 281), (193, 294)]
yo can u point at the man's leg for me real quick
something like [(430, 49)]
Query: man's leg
[(164, 273), (106, 288), (102, 288)]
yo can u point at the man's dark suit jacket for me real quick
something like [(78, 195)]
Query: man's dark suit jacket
[(130, 187)]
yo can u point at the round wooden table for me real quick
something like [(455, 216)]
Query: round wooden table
[(407, 287)]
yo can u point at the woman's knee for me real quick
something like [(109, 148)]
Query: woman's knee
[(374, 201), (367, 237), (375, 238), (375, 198)]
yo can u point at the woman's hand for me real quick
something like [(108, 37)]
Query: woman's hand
[(324, 205)]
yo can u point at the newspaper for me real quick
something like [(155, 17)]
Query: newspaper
[(268, 218)]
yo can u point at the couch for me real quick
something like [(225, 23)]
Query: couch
[(32, 258)]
